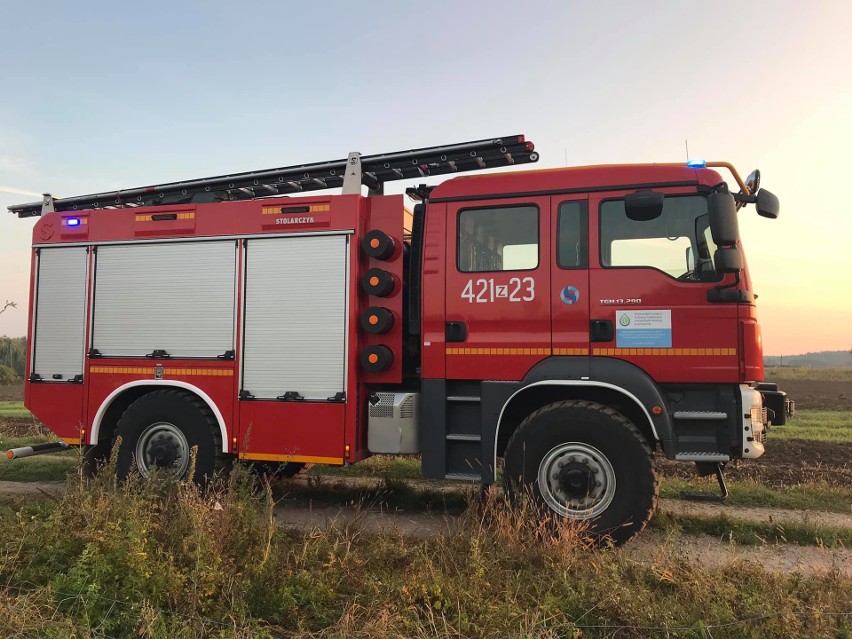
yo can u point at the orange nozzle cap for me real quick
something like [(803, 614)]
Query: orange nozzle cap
[(373, 358), (10, 454)]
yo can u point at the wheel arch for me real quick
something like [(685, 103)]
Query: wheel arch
[(533, 396), (118, 400)]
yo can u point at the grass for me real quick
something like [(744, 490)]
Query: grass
[(391, 466), (13, 409), (51, 467), (752, 533), (389, 493), (773, 373), (42, 468), (158, 559), (816, 425), (818, 496)]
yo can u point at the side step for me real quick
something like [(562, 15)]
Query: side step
[(463, 439)]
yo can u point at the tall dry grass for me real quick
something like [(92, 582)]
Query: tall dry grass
[(160, 559)]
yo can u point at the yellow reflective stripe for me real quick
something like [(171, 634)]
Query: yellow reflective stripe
[(313, 208), (635, 352), (180, 216), (181, 372), (292, 458)]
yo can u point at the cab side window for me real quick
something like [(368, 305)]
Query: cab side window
[(677, 243), (498, 239), (572, 233)]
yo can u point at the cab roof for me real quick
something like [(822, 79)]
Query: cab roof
[(602, 177)]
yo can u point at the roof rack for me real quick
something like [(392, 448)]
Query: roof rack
[(371, 171)]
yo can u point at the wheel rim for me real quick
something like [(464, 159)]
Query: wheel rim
[(576, 480), (163, 446)]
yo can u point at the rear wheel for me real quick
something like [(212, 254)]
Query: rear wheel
[(160, 429), (585, 461)]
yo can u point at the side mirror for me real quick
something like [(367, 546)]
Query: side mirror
[(753, 181), (724, 226), (767, 204), (728, 260), (644, 205)]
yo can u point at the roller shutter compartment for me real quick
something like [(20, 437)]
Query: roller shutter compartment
[(60, 313), (173, 297), (295, 317)]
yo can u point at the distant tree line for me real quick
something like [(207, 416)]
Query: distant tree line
[(13, 358)]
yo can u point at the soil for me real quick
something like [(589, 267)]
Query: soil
[(785, 462), (12, 393), (817, 395), (22, 427)]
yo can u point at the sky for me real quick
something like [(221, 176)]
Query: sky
[(97, 96)]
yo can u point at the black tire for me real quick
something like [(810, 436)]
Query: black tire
[(573, 444), (169, 424), (276, 470)]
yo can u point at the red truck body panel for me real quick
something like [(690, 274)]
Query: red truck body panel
[(520, 321)]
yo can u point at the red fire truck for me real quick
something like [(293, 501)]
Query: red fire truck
[(570, 322)]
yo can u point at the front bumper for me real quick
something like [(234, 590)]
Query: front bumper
[(779, 407)]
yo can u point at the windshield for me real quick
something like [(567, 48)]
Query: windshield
[(678, 242)]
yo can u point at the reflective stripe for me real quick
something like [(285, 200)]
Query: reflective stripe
[(292, 458)]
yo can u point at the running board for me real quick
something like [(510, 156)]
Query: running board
[(703, 457)]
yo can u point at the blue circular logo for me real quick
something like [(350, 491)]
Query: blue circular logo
[(569, 295)]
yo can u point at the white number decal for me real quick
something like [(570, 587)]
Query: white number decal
[(467, 293), (513, 296), (530, 294), (484, 291)]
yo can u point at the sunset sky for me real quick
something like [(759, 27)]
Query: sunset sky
[(99, 96)]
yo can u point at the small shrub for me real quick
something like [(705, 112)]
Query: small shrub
[(8, 376)]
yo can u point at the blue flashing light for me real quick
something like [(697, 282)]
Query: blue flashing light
[(72, 221), (697, 164)]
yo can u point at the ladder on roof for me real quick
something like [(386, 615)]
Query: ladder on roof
[(371, 171)]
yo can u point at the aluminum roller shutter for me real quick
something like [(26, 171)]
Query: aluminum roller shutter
[(295, 316), (60, 321), (177, 297)]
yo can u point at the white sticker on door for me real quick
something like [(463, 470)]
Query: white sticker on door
[(643, 329)]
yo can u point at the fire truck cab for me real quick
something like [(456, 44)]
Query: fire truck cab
[(570, 322)]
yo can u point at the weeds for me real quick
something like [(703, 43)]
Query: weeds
[(165, 559)]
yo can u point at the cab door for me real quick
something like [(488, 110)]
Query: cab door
[(569, 296), (497, 288), (650, 284)]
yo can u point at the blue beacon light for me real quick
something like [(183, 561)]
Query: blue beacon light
[(697, 164), (73, 221)]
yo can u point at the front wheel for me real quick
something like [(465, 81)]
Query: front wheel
[(585, 461)]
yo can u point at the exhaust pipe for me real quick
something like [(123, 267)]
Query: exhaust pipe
[(38, 449)]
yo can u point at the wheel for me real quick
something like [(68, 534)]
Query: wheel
[(160, 429), (276, 470), (585, 461)]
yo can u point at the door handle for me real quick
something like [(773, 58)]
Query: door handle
[(456, 332), (601, 331)]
